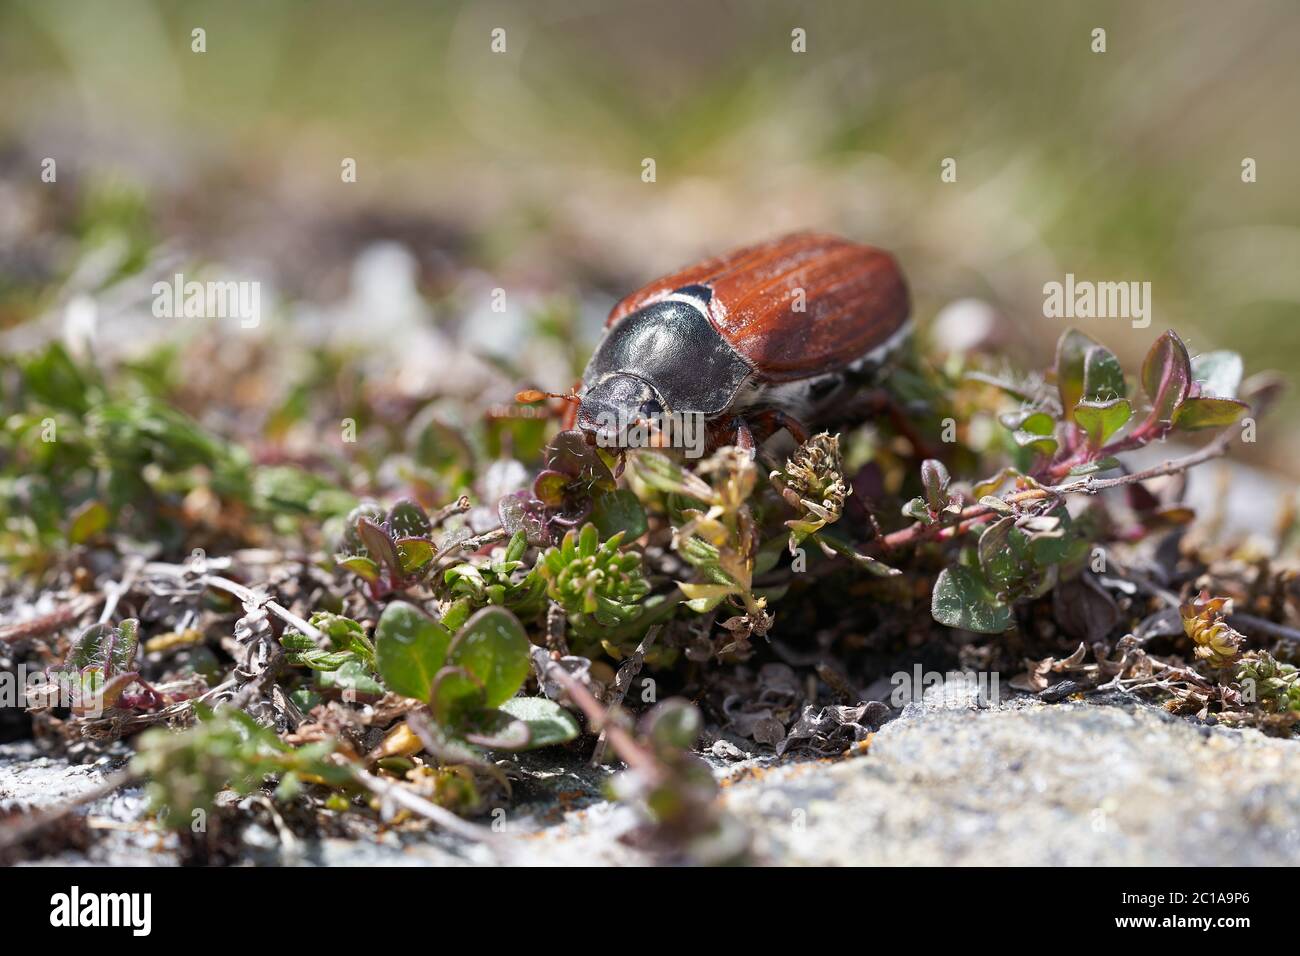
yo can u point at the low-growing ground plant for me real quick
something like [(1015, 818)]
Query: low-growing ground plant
[(469, 677), (392, 658)]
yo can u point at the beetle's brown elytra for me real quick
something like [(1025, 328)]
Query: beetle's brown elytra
[(759, 339)]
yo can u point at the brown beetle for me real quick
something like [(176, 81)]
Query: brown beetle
[(776, 335)]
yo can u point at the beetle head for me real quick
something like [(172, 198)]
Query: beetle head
[(616, 403)]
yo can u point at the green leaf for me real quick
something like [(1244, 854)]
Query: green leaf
[(1101, 420), (54, 378), (863, 561), (1042, 444), (517, 547), (413, 553), (343, 632), (97, 693), (588, 541), (550, 488), (675, 723), (1103, 376), (769, 555), (1020, 392), (917, 509), (352, 542), (112, 649), (663, 474), (1218, 373), (361, 566), (494, 648), (378, 544), (1031, 428), (497, 730), (1071, 350), (455, 616), (702, 598), (1030, 420), (88, 521), (296, 641), (615, 511), (963, 599), (410, 649), (1166, 375), (1198, 413), (1047, 535), (351, 675), (323, 660), (548, 722), (1002, 554), (407, 519), (454, 696), (934, 479)]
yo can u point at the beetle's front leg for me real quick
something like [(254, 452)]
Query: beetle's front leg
[(731, 430), (768, 422)]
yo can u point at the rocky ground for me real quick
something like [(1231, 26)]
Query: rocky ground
[(1110, 782)]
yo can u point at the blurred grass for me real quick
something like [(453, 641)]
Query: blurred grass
[(1120, 166)]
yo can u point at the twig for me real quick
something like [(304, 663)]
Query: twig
[(1247, 622), (473, 544), (622, 682), (115, 591), (430, 811), (599, 718), (459, 506), (250, 598), (555, 626), (1252, 623), (1088, 485), (47, 623)]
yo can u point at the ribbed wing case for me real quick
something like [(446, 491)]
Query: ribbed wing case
[(854, 299)]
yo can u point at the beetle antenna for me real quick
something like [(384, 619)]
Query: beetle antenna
[(530, 396)]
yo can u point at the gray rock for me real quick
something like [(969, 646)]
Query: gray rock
[(1034, 784), (948, 783)]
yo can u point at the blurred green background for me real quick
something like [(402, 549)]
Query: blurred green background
[(527, 164)]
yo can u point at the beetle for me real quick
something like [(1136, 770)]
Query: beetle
[(770, 336)]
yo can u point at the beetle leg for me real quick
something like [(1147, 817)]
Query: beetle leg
[(882, 402), (731, 430), (770, 421)]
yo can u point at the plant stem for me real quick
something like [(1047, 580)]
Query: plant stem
[(245, 594), (425, 808), (115, 591), (48, 623), (598, 717), (251, 597), (977, 514), (622, 682), (470, 545), (1250, 622)]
